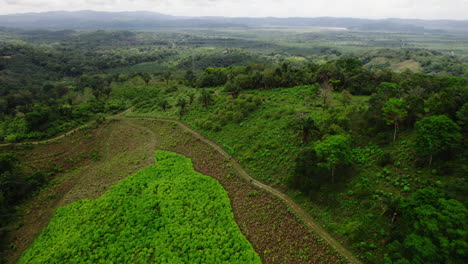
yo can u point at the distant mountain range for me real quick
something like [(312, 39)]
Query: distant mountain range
[(153, 20)]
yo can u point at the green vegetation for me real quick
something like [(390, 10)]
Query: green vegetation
[(165, 213), (334, 150), (337, 156), (306, 110), (17, 183)]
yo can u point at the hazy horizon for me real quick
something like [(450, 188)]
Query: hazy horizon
[(405, 9)]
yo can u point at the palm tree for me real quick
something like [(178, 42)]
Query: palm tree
[(305, 123)]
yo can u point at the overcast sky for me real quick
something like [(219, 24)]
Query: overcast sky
[(424, 9)]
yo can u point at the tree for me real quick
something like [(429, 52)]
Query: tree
[(164, 104), (435, 135), (191, 97), (36, 119), (431, 229), (243, 81), (326, 93), (189, 77), (305, 124), (167, 76), (98, 83), (388, 89), (394, 112), (346, 97), (206, 98), (212, 77), (182, 103), (233, 89), (268, 79), (462, 116), (334, 150), (146, 77)]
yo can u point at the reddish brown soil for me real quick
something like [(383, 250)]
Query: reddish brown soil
[(124, 147)]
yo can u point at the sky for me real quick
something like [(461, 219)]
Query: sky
[(422, 9)]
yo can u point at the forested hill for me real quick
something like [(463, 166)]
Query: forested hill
[(148, 20)]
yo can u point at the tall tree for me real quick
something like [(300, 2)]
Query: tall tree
[(164, 104), (394, 112), (233, 89), (182, 103), (191, 98), (146, 77), (436, 134), (334, 150), (432, 229), (189, 76), (305, 124), (206, 98), (346, 97), (167, 76), (326, 93)]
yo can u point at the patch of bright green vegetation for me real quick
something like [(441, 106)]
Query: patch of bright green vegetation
[(270, 138), (165, 213)]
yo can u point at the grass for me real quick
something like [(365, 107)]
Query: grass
[(161, 214), (270, 140), (267, 142), (411, 65)]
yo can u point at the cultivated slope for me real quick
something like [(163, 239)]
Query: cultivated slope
[(165, 213)]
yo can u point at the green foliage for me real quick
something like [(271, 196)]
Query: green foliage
[(305, 125), (432, 229), (16, 184), (165, 213), (135, 93), (308, 176), (234, 110), (182, 103), (41, 95), (394, 111), (462, 116), (206, 98), (346, 97), (212, 77), (436, 134), (334, 150), (367, 155), (46, 121)]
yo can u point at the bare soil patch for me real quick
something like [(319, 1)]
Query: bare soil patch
[(92, 160)]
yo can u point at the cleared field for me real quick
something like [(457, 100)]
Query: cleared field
[(121, 147), (165, 213)]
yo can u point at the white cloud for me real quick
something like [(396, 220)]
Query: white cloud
[(425, 9)]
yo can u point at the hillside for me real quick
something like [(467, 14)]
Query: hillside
[(332, 145), (89, 162), (152, 20), (148, 217)]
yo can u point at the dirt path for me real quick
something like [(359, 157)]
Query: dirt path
[(45, 141), (296, 208)]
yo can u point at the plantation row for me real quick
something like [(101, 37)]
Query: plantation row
[(166, 213)]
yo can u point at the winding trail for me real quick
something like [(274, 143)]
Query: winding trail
[(45, 141), (50, 140), (295, 207)]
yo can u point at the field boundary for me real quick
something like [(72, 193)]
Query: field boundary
[(45, 141), (304, 216), (291, 204)]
